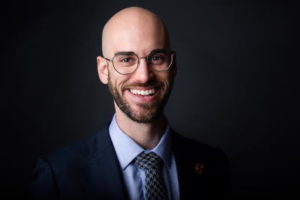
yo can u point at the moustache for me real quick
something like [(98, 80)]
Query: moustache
[(152, 84)]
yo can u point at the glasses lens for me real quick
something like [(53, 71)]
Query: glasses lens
[(125, 64), (161, 61)]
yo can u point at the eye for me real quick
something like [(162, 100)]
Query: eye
[(126, 60), (157, 58)]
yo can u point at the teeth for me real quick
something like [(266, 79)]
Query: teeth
[(142, 92)]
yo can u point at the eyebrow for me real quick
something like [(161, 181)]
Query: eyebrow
[(124, 53), (131, 52), (159, 51)]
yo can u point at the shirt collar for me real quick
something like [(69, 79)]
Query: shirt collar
[(127, 149)]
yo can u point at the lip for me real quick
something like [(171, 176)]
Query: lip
[(143, 87)]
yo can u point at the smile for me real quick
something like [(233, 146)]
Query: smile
[(148, 92)]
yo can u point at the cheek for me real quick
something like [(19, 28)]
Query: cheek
[(165, 77), (168, 81), (117, 81)]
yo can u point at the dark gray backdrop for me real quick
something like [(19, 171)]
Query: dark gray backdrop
[(237, 84)]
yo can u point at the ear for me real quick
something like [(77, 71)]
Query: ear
[(102, 67)]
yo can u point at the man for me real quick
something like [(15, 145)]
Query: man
[(138, 155)]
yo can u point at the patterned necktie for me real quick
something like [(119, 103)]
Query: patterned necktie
[(152, 164)]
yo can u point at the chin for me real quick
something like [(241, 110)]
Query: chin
[(144, 116)]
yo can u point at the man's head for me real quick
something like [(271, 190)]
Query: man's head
[(140, 93)]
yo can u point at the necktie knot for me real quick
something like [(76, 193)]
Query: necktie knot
[(149, 161)]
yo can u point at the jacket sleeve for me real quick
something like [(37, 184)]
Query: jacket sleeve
[(44, 184)]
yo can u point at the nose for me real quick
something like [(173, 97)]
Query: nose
[(143, 73)]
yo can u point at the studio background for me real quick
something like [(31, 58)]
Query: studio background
[(236, 86)]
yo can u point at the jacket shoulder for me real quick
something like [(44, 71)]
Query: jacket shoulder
[(80, 151), (60, 170)]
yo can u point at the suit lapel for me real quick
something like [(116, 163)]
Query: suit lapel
[(188, 178), (102, 175)]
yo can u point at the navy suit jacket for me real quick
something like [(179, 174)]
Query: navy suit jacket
[(90, 170)]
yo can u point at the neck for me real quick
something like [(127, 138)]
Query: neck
[(147, 135)]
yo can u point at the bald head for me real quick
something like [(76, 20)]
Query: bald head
[(132, 29)]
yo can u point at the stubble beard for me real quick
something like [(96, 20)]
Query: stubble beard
[(149, 111)]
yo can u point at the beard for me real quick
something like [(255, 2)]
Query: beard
[(149, 112)]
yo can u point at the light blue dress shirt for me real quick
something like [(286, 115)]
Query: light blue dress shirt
[(134, 177)]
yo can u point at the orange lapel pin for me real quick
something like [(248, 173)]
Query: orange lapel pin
[(199, 168)]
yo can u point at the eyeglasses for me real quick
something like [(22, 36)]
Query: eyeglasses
[(128, 62)]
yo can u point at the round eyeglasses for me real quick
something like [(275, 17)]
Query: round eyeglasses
[(128, 62)]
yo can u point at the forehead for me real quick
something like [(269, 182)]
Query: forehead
[(139, 35)]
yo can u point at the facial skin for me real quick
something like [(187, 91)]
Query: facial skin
[(140, 31)]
